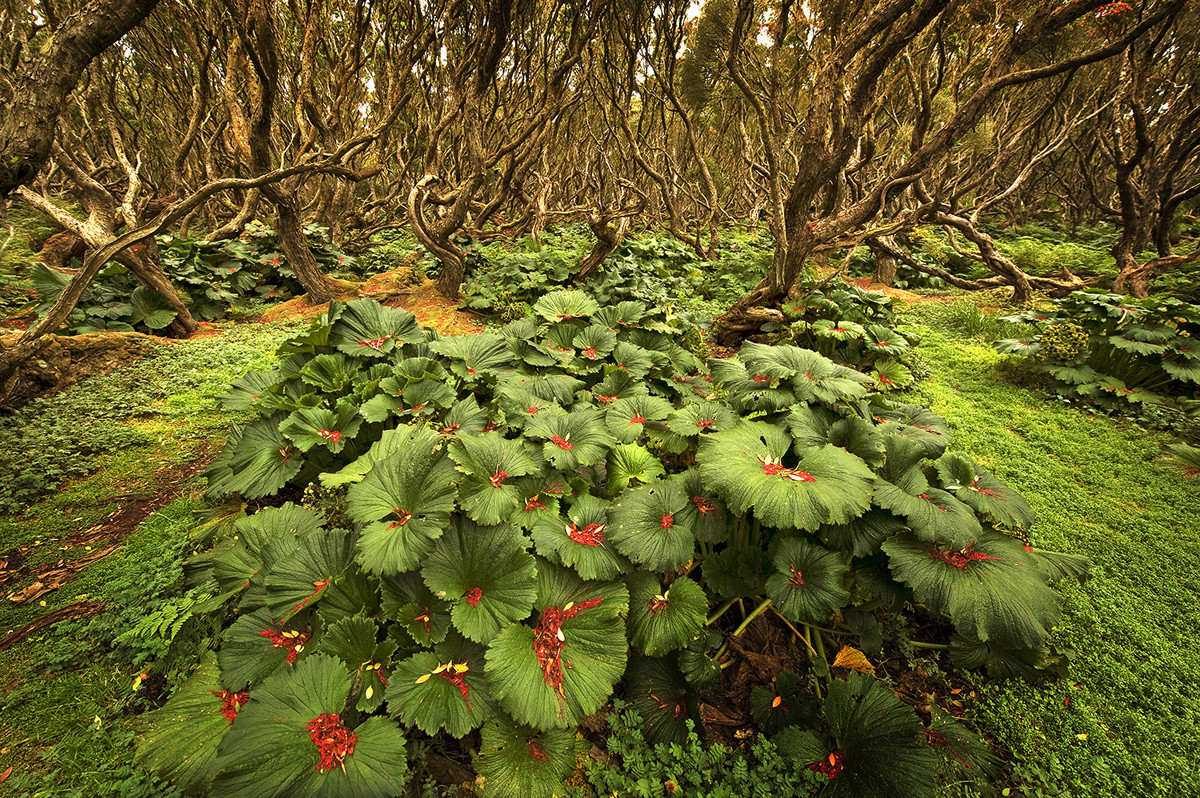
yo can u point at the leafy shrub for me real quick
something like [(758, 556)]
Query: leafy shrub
[(1113, 351), (530, 504), (655, 269), (211, 278), (856, 328)]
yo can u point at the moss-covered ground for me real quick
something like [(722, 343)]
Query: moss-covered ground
[(1127, 719)]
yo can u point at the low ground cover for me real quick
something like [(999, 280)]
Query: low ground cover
[(1126, 718)]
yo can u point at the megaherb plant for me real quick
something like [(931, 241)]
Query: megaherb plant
[(1114, 350), (856, 328), (544, 515)]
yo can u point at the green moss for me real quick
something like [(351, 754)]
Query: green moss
[(1127, 720)]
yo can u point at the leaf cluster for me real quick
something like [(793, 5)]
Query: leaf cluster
[(539, 512), (1114, 351)]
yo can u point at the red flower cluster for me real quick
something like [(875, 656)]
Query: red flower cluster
[(334, 741), (474, 594), (590, 535), (293, 641), (562, 443), (231, 702), (459, 680), (330, 435), (960, 559), (548, 639)]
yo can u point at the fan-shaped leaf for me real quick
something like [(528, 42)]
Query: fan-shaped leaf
[(561, 670), (581, 541), (571, 441), (991, 589), (745, 466), (626, 418), (274, 750), (521, 762), (437, 691), (316, 426), (664, 619), (880, 741), (630, 464), (406, 501), (808, 584), (645, 529), (705, 514), (567, 304), (489, 495), (365, 328), (486, 575)]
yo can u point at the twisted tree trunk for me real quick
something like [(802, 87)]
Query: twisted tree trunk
[(27, 121)]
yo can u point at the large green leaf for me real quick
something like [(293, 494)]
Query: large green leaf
[(151, 308), (472, 356), (694, 419), (992, 589), (300, 580), (407, 600), (881, 750), (626, 418), (257, 461), (365, 328), (807, 586), (580, 542), (316, 426), (443, 690), (563, 668), (664, 619), (571, 441), (489, 494), (256, 646), (272, 749), (565, 304), (519, 761), (645, 528), (406, 501), (745, 466), (705, 514), (974, 485), (179, 741), (630, 464), (486, 575)]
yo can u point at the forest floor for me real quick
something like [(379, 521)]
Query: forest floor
[(1126, 721)]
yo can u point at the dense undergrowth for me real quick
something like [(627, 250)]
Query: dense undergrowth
[(1124, 719)]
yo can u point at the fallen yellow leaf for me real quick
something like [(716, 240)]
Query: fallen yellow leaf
[(855, 660)]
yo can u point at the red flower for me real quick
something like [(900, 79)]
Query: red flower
[(474, 594), (231, 703), (330, 435), (548, 640), (562, 443), (288, 639), (334, 741), (590, 535), (960, 559)]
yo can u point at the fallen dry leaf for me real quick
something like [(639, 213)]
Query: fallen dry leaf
[(855, 660)]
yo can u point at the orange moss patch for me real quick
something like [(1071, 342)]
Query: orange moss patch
[(866, 284), (395, 289)]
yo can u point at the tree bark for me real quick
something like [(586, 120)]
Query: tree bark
[(608, 238), (28, 121)]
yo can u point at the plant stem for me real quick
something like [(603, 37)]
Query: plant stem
[(795, 631), (759, 610), (931, 646), (724, 608)]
